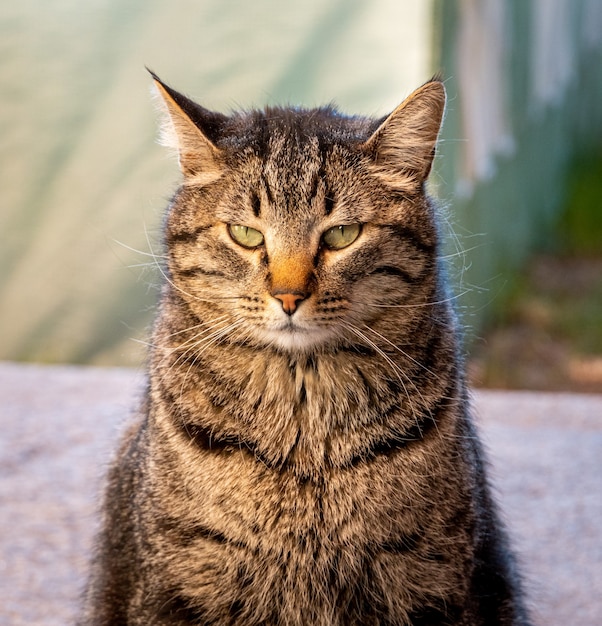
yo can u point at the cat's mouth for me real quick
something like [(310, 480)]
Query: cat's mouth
[(289, 325), (292, 335)]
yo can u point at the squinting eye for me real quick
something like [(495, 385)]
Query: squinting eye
[(342, 236), (245, 236)]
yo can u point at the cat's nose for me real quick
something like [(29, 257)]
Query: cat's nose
[(289, 301)]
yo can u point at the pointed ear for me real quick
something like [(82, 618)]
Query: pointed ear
[(403, 146), (190, 130)]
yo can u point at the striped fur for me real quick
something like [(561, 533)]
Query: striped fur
[(315, 468)]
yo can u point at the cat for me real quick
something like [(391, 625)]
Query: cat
[(305, 454)]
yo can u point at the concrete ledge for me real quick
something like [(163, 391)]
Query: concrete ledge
[(59, 425)]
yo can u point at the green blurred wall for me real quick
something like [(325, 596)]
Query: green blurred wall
[(541, 61)]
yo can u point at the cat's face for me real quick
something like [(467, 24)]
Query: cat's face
[(288, 230)]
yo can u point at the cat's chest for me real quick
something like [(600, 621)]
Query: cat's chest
[(260, 507), (274, 451), (309, 416)]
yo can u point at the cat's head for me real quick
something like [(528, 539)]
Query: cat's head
[(300, 228)]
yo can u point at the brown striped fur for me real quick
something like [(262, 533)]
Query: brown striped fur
[(313, 468)]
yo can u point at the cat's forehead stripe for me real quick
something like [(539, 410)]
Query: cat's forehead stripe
[(268, 191), (292, 169)]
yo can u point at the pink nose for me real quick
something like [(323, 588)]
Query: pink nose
[(289, 301)]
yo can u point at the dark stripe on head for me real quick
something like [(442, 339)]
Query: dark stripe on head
[(186, 236), (328, 202), (196, 271), (256, 204), (389, 270), (409, 234), (268, 191), (315, 183)]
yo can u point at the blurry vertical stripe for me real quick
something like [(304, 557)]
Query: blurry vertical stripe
[(592, 23), (553, 49), (482, 46)]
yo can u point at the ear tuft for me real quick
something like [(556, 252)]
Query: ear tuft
[(168, 137), (181, 129), (403, 146)]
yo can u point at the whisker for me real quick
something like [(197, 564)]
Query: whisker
[(208, 326), (152, 254), (396, 369), (208, 336), (462, 252), (201, 325), (422, 304), (402, 352), (134, 265), (206, 341), (162, 270)]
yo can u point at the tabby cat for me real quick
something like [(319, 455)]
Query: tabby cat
[(305, 455)]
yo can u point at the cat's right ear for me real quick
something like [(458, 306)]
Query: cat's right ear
[(190, 130), (403, 146)]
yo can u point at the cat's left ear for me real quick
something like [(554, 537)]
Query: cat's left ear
[(191, 130), (403, 146)]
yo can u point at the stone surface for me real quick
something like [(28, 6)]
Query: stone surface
[(59, 425)]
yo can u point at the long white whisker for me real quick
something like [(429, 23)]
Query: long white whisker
[(206, 325), (206, 342), (407, 356), (422, 304), (396, 369), (205, 338), (165, 275), (134, 265), (462, 252), (396, 347), (152, 254)]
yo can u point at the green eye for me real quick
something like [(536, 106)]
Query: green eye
[(342, 236), (245, 236)]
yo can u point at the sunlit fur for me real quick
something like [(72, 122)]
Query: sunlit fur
[(315, 466)]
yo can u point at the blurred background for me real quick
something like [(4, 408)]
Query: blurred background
[(83, 183)]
